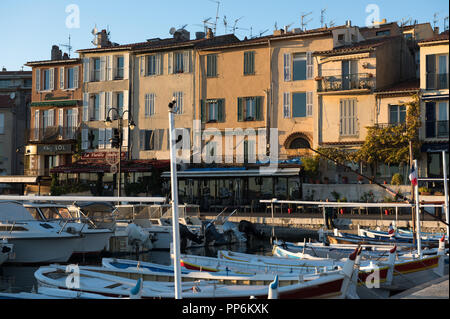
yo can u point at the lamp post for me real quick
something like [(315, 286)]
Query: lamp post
[(131, 125)]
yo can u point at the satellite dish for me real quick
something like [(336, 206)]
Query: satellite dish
[(172, 31), (94, 31), (12, 96)]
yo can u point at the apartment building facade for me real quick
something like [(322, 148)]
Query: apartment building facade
[(15, 97), (55, 113), (434, 86)]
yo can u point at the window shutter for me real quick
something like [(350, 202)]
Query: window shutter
[(102, 105), (103, 70), (147, 105), (186, 61), (160, 139), (74, 122), (240, 113), (108, 104), (309, 103), (258, 111), (125, 104), (86, 70), (61, 77), (52, 79), (38, 80), (170, 62), (221, 110), (159, 64), (142, 66), (287, 67), (86, 107), (84, 139), (141, 140), (126, 66), (125, 137), (61, 121), (203, 111), (76, 77), (108, 136), (309, 66), (51, 118), (101, 138), (109, 67), (286, 105), (36, 124)]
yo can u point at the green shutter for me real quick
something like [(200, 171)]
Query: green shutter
[(240, 113), (203, 111), (259, 112), (221, 110), (252, 63)]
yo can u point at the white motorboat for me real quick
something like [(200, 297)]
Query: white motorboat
[(93, 239), (34, 241)]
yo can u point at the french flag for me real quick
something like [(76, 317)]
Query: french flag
[(413, 176)]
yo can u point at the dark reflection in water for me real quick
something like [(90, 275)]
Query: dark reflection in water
[(21, 278)]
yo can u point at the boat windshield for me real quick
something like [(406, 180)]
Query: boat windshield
[(35, 213), (55, 213)]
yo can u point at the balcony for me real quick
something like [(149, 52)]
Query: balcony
[(387, 125), (436, 129), (437, 81), (334, 83), (53, 134)]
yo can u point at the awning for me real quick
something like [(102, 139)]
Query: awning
[(434, 97), (231, 172), (86, 166), (434, 147), (19, 179)]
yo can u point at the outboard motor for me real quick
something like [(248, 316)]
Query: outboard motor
[(249, 229), (185, 234), (212, 235), (229, 227), (138, 237)]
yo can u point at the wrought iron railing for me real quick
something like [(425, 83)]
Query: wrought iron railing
[(53, 133), (436, 129), (437, 81), (348, 82), (386, 125)]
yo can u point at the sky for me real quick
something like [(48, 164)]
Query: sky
[(29, 28)]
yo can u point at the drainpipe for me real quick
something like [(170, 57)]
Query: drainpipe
[(269, 96)]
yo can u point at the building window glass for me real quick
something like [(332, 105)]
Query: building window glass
[(397, 114), (149, 104), (2, 123), (299, 104), (299, 66), (96, 106), (46, 80), (119, 69), (250, 108), (119, 102), (178, 62), (70, 82), (96, 76)]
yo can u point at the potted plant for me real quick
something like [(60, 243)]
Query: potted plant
[(397, 179), (318, 78), (424, 191), (438, 193)]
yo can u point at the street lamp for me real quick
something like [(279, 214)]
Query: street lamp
[(131, 125)]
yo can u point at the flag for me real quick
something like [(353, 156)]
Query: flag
[(413, 176)]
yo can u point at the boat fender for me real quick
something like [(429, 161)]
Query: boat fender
[(72, 230), (440, 270), (273, 289), (6, 249), (136, 291)]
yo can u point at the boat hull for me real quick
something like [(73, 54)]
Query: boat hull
[(93, 242)]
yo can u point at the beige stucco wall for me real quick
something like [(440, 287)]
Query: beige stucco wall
[(382, 116), (163, 86), (427, 49)]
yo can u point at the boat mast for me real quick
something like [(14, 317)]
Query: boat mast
[(174, 186), (416, 191), (444, 162)]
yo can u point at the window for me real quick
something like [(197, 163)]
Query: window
[(179, 98), (178, 62), (437, 71), (211, 65), (213, 110), (46, 80), (5, 83), (348, 118), (48, 119), (299, 143), (2, 123), (70, 78), (151, 139), (299, 104), (341, 37), (383, 33), (436, 119), (299, 67), (119, 69), (250, 109), (397, 114), (71, 122), (96, 107), (286, 105), (249, 63), (149, 104), (96, 74), (119, 102), (151, 65)]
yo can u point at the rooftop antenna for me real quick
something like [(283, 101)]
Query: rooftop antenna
[(225, 23), (217, 15), (286, 27), (68, 46), (275, 26), (262, 32), (303, 23), (435, 20), (183, 26), (235, 22), (322, 17), (446, 23), (205, 23), (332, 23)]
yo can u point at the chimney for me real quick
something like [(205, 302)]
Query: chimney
[(65, 56), (436, 30), (56, 53), (3, 69), (348, 23), (209, 34), (199, 35), (102, 39), (278, 32)]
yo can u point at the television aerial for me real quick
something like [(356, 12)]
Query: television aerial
[(68, 46)]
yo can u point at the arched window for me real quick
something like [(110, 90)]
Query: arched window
[(298, 143)]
